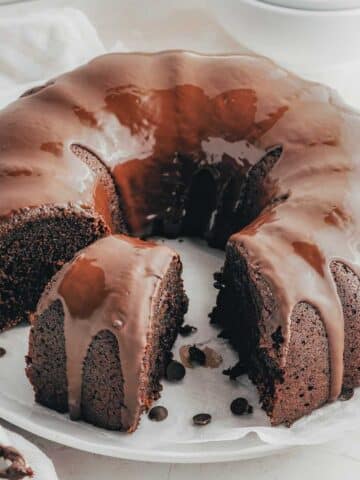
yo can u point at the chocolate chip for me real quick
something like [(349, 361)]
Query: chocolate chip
[(2, 352), (158, 414), (201, 419), (175, 371), (240, 406), (196, 355), (187, 330), (218, 285), (346, 393)]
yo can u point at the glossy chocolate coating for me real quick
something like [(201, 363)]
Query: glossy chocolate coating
[(110, 285)]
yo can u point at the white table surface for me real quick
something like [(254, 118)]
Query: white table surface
[(332, 461)]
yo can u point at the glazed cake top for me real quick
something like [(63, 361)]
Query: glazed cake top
[(155, 119)]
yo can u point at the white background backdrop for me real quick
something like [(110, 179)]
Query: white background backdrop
[(135, 23)]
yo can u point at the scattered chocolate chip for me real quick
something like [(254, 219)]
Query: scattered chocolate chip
[(175, 371), (2, 352), (158, 414), (346, 393), (240, 406), (180, 240), (213, 359), (196, 355), (201, 419), (236, 371), (187, 330)]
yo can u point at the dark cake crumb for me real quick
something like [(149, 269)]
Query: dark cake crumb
[(158, 413), (278, 338), (236, 371), (240, 406), (224, 334), (213, 359), (346, 393), (213, 318), (218, 276), (196, 355), (168, 357), (201, 419), (187, 330), (2, 352), (175, 371)]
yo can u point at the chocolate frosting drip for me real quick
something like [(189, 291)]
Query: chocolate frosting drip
[(155, 119), (293, 243), (110, 285)]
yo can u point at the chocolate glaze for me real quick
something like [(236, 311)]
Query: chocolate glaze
[(110, 285), (155, 119)]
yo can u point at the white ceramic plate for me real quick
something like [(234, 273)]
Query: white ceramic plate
[(35, 458), (203, 390)]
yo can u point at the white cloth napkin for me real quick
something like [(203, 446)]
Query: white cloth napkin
[(45, 44), (39, 46)]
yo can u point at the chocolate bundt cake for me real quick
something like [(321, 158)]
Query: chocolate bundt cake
[(103, 331), (230, 148)]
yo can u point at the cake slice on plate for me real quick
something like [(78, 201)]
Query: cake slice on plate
[(103, 329)]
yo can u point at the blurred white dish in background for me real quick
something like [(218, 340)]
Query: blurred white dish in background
[(35, 458), (322, 45), (316, 4)]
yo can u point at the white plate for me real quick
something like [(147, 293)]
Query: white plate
[(41, 465), (175, 440)]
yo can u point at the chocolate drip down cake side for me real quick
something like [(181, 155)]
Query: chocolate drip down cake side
[(230, 148)]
